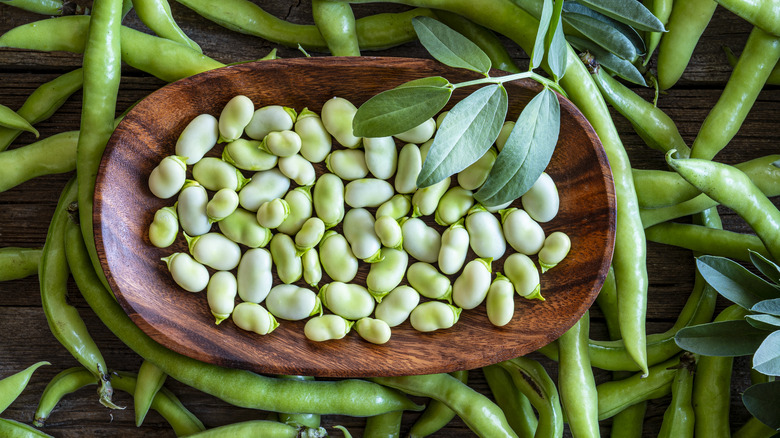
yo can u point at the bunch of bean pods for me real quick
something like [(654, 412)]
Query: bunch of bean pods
[(617, 371)]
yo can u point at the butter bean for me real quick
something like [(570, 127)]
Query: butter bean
[(242, 227), (255, 276), (293, 303), (429, 282), (270, 118), (312, 269), (326, 328), (471, 287), (425, 200), (164, 227), (359, 231), (315, 140), (454, 205), (421, 241), (396, 306), (214, 250), (434, 315), (388, 230), (214, 174), (454, 248), (329, 199), (309, 235), (472, 177), (409, 166), (298, 169), (168, 177), (337, 258), (367, 192), (197, 138), (348, 164), (272, 213), (186, 272), (254, 318), (381, 156), (300, 203), (222, 204), (282, 143), (348, 300), (521, 271), (522, 233), (263, 187), (247, 155), (234, 117), (337, 115), (289, 266), (486, 237), (373, 330), (556, 247), (221, 295), (191, 209), (500, 301), (386, 275), (420, 133), (541, 201)]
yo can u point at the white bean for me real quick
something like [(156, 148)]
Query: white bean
[(396, 306), (409, 166), (299, 201), (372, 330), (348, 164), (434, 315), (556, 247), (348, 300), (293, 303), (397, 207), (388, 230), (337, 258), (381, 156), (298, 169), (214, 250), (214, 174), (255, 276), (420, 133), (272, 213), (197, 138), (521, 271), (254, 318), (221, 294), (454, 205), (164, 227), (289, 266), (222, 204), (421, 241), (337, 114), (454, 248), (472, 177), (471, 287), (522, 233), (247, 155), (168, 177), (500, 301), (541, 201), (270, 118), (386, 274), (191, 209), (326, 328), (315, 140), (282, 143), (359, 231), (429, 282), (367, 192), (425, 200), (312, 269), (485, 235), (328, 199), (234, 117), (264, 186), (242, 227), (186, 272)]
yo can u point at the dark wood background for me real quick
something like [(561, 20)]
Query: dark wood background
[(26, 210)]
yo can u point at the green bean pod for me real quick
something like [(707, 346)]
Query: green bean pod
[(426, 200), (214, 250), (264, 186), (167, 178), (397, 207), (348, 300), (11, 428), (299, 200), (420, 241), (679, 416), (149, 382), (12, 386), (242, 227), (298, 420), (386, 274), (268, 119), (197, 138), (221, 294), (246, 155), (533, 381), (381, 156), (156, 15), (51, 155), (254, 275), (429, 282), (312, 268), (396, 306), (336, 23), (292, 303), (516, 406), (10, 119), (65, 382), (616, 395), (686, 24), (328, 199), (437, 414), (289, 266), (705, 240), (337, 114), (409, 166), (253, 317), (575, 380), (17, 263), (222, 204), (337, 258), (764, 15), (434, 315), (359, 231), (373, 330), (316, 142), (326, 328), (186, 272)]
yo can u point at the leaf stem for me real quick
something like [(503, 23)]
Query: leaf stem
[(513, 77)]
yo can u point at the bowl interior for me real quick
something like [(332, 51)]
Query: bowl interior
[(181, 320)]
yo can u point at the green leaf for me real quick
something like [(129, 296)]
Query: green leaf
[(632, 13), (762, 400), (399, 109), (735, 282), (431, 81), (766, 360), (607, 37), (628, 31), (766, 266), (526, 153), (557, 53), (544, 23), (612, 63), (769, 307), (764, 322), (450, 47), (726, 338), (469, 130)]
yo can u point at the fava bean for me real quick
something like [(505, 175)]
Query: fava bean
[(425, 200), (397, 207), (197, 138), (282, 143), (556, 247), (168, 177), (359, 231), (214, 250), (234, 117), (486, 237), (471, 287), (312, 269), (254, 275), (396, 306), (214, 174), (222, 204), (434, 315), (326, 328), (337, 114), (264, 186), (429, 282), (164, 227), (420, 133), (221, 294), (191, 209), (520, 270), (472, 177), (328, 199), (409, 166), (315, 140), (298, 169), (454, 205), (289, 266), (500, 301), (454, 248), (247, 155), (386, 275), (522, 233), (381, 156), (348, 300), (541, 201), (300, 202), (420, 241), (503, 135), (186, 272), (389, 232), (367, 192), (293, 303), (253, 317), (373, 330), (272, 213), (242, 227), (348, 164), (340, 264), (309, 235), (498, 208), (270, 118)]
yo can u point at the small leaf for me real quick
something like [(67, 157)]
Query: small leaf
[(469, 130), (607, 37), (766, 360), (526, 153), (399, 109), (632, 13), (769, 307), (762, 400), (431, 81), (734, 282), (764, 322), (610, 62), (557, 53), (726, 338), (450, 47), (628, 31), (766, 266), (544, 23)]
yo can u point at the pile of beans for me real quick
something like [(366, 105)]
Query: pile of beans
[(334, 222)]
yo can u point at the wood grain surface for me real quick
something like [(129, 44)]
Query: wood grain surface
[(25, 337)]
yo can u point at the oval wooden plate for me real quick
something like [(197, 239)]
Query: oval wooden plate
[(181, 320)]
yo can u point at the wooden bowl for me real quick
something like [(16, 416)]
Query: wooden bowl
[(181, 320)]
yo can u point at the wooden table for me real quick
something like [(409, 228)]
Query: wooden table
[(26, 210)]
